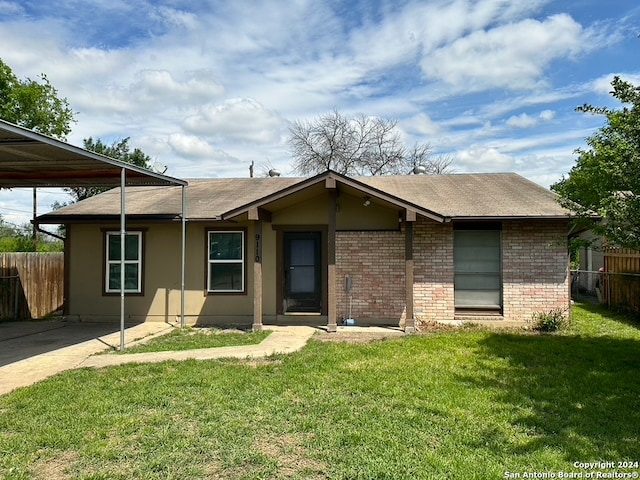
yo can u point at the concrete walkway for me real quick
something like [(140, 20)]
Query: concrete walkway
[(37, 368), (281, 340)]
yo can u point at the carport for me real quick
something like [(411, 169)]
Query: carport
[(29, 159)]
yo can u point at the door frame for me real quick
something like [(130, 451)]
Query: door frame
[(280, 261)]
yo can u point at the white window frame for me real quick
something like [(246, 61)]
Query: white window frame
[(109, 262), (241, 261)]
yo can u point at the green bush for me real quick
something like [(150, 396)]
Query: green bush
[(550, 321)]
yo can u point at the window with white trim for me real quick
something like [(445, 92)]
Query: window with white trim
[(478, 269), (226, 265), (132, 262)]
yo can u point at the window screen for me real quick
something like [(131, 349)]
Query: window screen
[(477, 262)]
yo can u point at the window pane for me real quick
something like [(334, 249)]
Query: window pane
[(130, 244), (303, 252), (474, 298), (477, 282), (303, 280), (114, 246), (131, 247), (114, 276), (130, 277), (225, 246), (226, 276)]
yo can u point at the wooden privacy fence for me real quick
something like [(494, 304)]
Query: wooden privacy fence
[(622, 277), (31, 284)]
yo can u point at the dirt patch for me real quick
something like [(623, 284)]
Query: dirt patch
[(261, 362), (291, 455), (55, 468), (355, 337)]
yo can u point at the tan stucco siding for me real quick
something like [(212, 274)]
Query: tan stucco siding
[(161, 299), (351, 214), (87, 269)]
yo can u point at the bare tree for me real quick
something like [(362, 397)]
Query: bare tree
[(357, 146), (420, 156)]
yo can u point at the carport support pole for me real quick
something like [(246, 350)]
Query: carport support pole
[(183, 258), (123, 235)]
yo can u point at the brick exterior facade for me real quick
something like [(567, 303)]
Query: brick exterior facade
[(534, 271), (535, 267), (375, 262)]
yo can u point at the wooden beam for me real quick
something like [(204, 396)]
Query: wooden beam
[(257, 279), (330, 182), (410, 215), (265, 215), (332, 320), (257, 213)]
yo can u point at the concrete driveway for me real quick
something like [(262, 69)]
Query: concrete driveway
[(33, 351), (21, 340)]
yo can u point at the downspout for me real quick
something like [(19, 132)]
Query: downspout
[(51, 234)]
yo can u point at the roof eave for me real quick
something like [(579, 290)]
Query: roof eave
[(330, 174), (51, 219), (510, 217)]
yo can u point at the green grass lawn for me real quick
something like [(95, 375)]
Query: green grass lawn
[(193, 338), (468, 404)]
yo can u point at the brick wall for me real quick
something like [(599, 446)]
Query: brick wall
[(433, 270), (534, 268), (375, 263)]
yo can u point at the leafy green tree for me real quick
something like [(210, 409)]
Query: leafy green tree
[(37, 106), (119, 150), (606, 177), (14, 238), (34, 105)]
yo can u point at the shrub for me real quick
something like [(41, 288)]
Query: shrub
[(550, 321)]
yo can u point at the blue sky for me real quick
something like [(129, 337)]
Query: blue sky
[(205, 88)]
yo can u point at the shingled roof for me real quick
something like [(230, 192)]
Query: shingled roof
[(453, 196)]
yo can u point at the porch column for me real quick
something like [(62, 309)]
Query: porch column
[(257, 273), (332, 323), (410, 323)]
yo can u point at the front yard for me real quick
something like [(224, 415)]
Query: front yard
[(469, 404)]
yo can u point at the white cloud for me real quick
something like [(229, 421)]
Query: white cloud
[(512, 56), (547, 115), (482, 159), (10, 8), (521, 121), (178, 18), (190, 146), (241, 119), (602, 85), (421, 124), (527, 121), (400, 34), (198, 86)]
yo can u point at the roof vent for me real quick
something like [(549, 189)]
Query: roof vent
[(274, 173), (419, 170)]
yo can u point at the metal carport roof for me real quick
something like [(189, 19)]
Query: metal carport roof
[(30, 159)]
